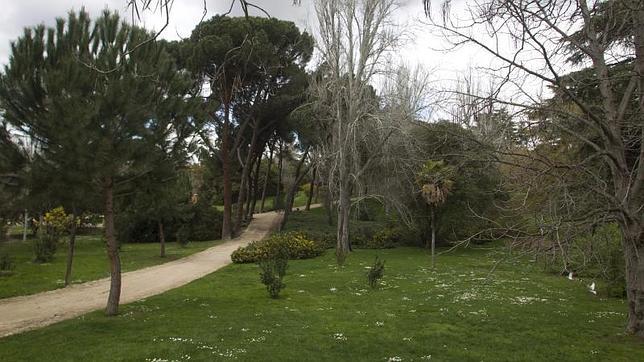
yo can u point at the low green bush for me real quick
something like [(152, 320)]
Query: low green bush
[(386, 238), (273, 270), (297, 245), (376, 272), (6, 264), (45, 248)]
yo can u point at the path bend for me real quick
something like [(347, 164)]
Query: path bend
[(19, 314)]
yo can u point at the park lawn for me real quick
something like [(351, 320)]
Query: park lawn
[(90, 263), (457, 312)]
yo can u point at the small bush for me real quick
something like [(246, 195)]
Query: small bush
[(384, 239), (273, 270), (324, 240), (6, 264), (376, 272), (296, 245), (45, 248)]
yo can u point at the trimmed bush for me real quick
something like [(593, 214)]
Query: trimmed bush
[(296, 245)]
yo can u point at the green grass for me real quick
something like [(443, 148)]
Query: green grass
[(328, 313), (90, 263)]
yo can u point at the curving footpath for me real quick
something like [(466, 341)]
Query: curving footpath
[(24, 313)]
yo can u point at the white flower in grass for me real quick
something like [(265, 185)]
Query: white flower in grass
[(429, 356), (394, 359), (333, 290), (339, 337), (380, 324), (407, 339)]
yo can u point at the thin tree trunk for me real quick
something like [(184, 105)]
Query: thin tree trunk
[(328, 206), (112, 251), (433, 221), (253, 205), (243, 188), (161, 238), (226, 228), (70, 250), (311, 189), (293, 190), (276, 202), (268, 175), (24, 229)]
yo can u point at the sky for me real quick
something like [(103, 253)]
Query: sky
[(185, 14), (423, 48)]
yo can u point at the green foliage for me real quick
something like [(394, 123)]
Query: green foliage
[(273, 270), (6, 264), (45, 247), (376, 272), (295, 245), (183, 235), (385, 238), (200, 222)]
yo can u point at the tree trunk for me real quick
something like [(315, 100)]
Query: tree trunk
[(433, 221), (112, 251), (253, 205), (161, 238), (226, 227), (70, 250), (24, 228), (293, 190), (268, 175), (311, 189), (276, 202), (243, 187), (633, 244), (328, 206), (344, 213)]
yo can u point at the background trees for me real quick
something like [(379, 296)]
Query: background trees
[(606, 38), (96, 126), (242, 62)]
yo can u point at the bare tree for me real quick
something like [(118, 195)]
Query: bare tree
[(546, 42)]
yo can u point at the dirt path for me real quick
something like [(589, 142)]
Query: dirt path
[(20, 314)]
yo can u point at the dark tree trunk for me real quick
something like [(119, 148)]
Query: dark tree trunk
[(112, 250), (253, 205), (277, 205), (226, 228), (633, 245), (161, 238), (243, 188), (433, 221), (70, 250), (268, 175), (293, 190), (311, 189)]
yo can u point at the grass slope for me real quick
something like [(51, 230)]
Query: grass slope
[(328, 313), (90, 263)]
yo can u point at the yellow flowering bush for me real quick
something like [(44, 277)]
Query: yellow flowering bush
[(295, 244)]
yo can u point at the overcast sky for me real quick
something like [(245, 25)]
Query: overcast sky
[(185, 14)]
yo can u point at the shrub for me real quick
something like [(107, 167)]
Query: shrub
[(384, 239), (324, 240), (376, 272), (272, 271), (295, 245), (45, 248), (6, 264)]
